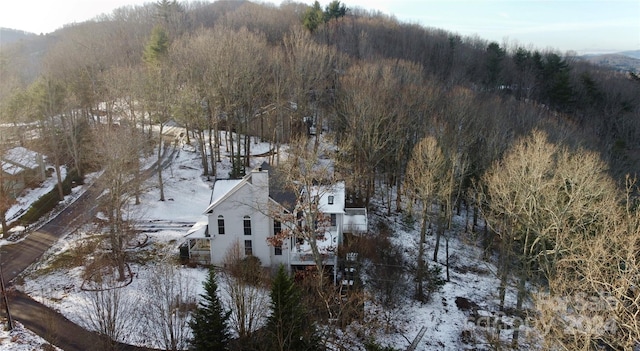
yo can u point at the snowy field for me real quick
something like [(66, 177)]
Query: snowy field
[(447, 327), (21, 339)]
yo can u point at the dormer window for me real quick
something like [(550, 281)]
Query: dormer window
[(330, 199)]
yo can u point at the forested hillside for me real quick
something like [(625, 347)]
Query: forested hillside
[(535, 142), (8, 36)]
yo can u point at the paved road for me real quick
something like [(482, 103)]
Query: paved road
[(15, 258), (57, 329)]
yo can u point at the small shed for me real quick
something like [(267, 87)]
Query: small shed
[(20, 168)]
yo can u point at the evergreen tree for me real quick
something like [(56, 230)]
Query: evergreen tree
[(313, 18), (495, 56), (209, 323), (157, 47), (288, 327), (334, 10)]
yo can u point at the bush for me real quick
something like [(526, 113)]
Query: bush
[(435, 282), (248, 270), (48, 201), (372, 345), (39, 208)]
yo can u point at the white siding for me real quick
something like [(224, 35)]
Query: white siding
[(246, 200)]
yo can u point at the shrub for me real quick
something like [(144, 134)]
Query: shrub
[(48, 201), (372, 345)]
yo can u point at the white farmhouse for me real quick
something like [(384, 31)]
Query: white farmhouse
[(242, 213)]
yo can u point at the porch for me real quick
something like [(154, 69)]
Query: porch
[(355, 220), (196, 251), (197, 246)]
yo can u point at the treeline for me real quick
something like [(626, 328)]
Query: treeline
[(261, 70)]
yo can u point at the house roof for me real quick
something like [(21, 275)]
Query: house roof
[(198, 230), (277, 189), (10, 168), (18, 159), (223, 188), (279, 193)]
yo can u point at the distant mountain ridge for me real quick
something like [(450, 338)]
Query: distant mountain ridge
[(621, 61), (8, 35), (633, 54)]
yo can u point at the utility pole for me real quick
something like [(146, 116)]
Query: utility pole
[(5, 300)]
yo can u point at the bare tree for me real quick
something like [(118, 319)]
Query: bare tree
[(309, 177), (117, 151), (422, 183), (546, 202), (170, 299), (194, 106), (158, 88), (244, 293), (48, 96), (312, 70), (238, 72), (372, 116), (111, 312)]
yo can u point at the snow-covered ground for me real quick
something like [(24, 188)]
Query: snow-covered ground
[(21, 339), (447, 326), (29, 196), (188, 193)]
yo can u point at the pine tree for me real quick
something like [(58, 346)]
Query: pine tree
[(313, 18), (288, 327), (157, 47), (334, 10), (209, 323)]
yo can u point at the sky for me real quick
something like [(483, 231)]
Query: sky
[(584, 26)]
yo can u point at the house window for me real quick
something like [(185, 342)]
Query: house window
[(220, 225), (330, 199), (247, 225), (248, 249), (333, 220), (277, 229)]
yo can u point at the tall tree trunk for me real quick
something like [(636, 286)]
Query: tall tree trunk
[(522, 286), (202, 145), (3, 221), (503, 272), (160, 148), (59, 178), (115, 229), (398, 192), (446, 245), (247, 148), (422, 263), (239, 163), (231, 149), (212, 155), (439, 232)]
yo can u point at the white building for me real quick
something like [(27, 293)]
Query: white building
[(242, 213)]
